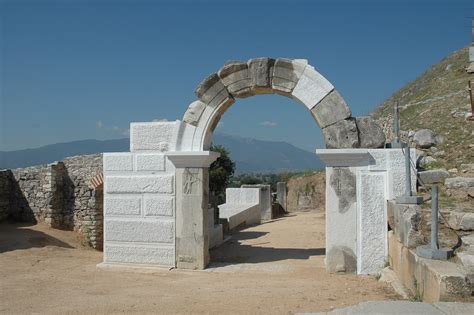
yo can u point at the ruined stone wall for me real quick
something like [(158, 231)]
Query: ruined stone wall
[(5, 192), (85, 203), (32, 191), (306, 193), (59, 194)]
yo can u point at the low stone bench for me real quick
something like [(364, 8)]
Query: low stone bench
[(242, 207)]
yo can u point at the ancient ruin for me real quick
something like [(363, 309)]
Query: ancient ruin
[(156, 196)]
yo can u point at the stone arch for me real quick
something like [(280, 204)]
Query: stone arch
[(293, 78)]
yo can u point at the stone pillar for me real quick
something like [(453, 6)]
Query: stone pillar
[(358, 184), (192, 215), (281, 195)]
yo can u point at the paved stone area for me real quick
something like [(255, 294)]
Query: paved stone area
[(406, 308)]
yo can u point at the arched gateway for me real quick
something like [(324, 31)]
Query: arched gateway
[(156, 195)]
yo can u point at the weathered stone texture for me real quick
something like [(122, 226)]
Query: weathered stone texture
[(85, 203), (406, 221), (235, 76), (436, 176), (212, 91), (370, 133), (342, 134), (261, 74), (59, 194), (5, 193), (330, 110), (194, 112), (286, 73), (311, 88)]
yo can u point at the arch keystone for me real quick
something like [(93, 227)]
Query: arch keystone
[(261, 74)]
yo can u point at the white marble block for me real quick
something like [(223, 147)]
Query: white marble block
[(372, 222), (118, 162), (154, 136), (139, 184)]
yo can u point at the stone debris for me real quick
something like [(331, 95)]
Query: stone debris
[(461, 220), (425, 139), (436, 176)]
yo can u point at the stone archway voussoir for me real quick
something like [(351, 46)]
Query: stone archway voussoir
[(331, 109)]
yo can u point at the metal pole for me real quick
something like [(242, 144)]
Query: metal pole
[(407, 171), (434, 217), (396, 127)]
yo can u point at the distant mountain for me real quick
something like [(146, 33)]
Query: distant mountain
[(250, 155), (253, 156)]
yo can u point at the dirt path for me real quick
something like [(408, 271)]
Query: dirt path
[(276, 267)]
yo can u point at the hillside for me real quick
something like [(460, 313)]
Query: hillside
[(250, 155), (438, 100)]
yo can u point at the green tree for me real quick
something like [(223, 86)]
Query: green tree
[(220, 174)]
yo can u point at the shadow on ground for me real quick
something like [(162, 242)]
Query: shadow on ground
[(18, 236), (235, 252)]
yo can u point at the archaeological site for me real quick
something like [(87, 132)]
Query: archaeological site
[(167, 220)]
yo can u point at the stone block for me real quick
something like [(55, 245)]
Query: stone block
[(150, 162), (461, 220), (154, 136), (145, 231), (261, 73), (242, 196), (312, 88), (424, 138), (459, 182), (194, 112), (282, 195), (118, 162), (212, 91), (378, 160), (466, 258), (370, 133), (406, 222), (139, 184), (331, 109), (139, 254), (342, 134), (436, 176), (158, 206), (121, 205), (341, 259), (286, 73), (372, 234), (235, 76), (265, 200)]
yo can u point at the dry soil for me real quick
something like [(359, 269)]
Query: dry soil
[(276, 267)]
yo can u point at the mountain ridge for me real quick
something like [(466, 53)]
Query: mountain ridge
[(250, 155)]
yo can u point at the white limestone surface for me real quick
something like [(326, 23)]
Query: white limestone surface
[(372, 222), (311, 88), (150, 162), (154, 136), (139, 184), (118, 161), (122, 205)]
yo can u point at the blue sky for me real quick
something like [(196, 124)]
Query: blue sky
[(78, 69)]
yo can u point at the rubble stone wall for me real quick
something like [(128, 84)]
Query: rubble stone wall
[(59, 194)]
